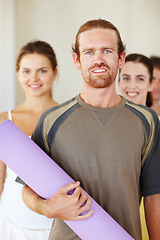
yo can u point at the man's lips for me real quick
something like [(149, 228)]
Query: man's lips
[(99, 70)]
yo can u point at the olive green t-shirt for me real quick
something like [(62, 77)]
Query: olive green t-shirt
[(112, 152)]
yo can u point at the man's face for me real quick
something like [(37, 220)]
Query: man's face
[(99, 60)]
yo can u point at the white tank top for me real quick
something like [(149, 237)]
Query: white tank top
[(13, 206)]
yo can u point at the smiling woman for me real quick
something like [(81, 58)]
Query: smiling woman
[(135, 80), (135, 84), (36, 75), (36, 70)]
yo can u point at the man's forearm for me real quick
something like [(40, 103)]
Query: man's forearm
[(33, 200)]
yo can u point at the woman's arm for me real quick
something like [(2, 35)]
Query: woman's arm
[(2, 176)]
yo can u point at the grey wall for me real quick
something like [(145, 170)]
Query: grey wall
[(7, 55), (57, 21)]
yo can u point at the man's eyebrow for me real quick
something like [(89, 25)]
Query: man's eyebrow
[(87, 49), (103, 48), (125, 74)]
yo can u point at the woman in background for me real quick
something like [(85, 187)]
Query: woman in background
[(36, 71), (135, 82), (155, 93)]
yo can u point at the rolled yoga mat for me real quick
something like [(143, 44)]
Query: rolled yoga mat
[(45, 177)]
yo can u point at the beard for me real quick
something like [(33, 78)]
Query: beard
[(100, 81)]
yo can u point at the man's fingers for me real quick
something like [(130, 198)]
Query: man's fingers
[(83, 202), (85, 207), (83, 197), (85, 216), (70, 187)]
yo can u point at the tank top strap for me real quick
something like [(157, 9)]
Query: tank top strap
[(2, 116), (9, 115)]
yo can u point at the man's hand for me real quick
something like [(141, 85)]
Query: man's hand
[(61, 205)]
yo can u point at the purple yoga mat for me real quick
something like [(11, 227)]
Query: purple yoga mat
[(45, 177)]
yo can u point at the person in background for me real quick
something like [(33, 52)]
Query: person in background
[(135, 82), (155, 93), (101, 139), (36, 71)]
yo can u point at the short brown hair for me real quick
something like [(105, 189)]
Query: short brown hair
[(39, 47), (97, 23)]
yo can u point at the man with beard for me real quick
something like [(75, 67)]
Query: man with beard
[(105, 143)]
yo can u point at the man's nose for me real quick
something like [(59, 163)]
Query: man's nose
[(99, 58)]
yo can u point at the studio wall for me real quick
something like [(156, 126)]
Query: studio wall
[(57, 21)]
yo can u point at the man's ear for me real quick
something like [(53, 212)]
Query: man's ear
[(76, 60), (122, 59)]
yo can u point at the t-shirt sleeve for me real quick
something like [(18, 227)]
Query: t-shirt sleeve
[(38, 134), (150, 174)]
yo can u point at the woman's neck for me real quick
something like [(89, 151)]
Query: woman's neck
[(37, 104)]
